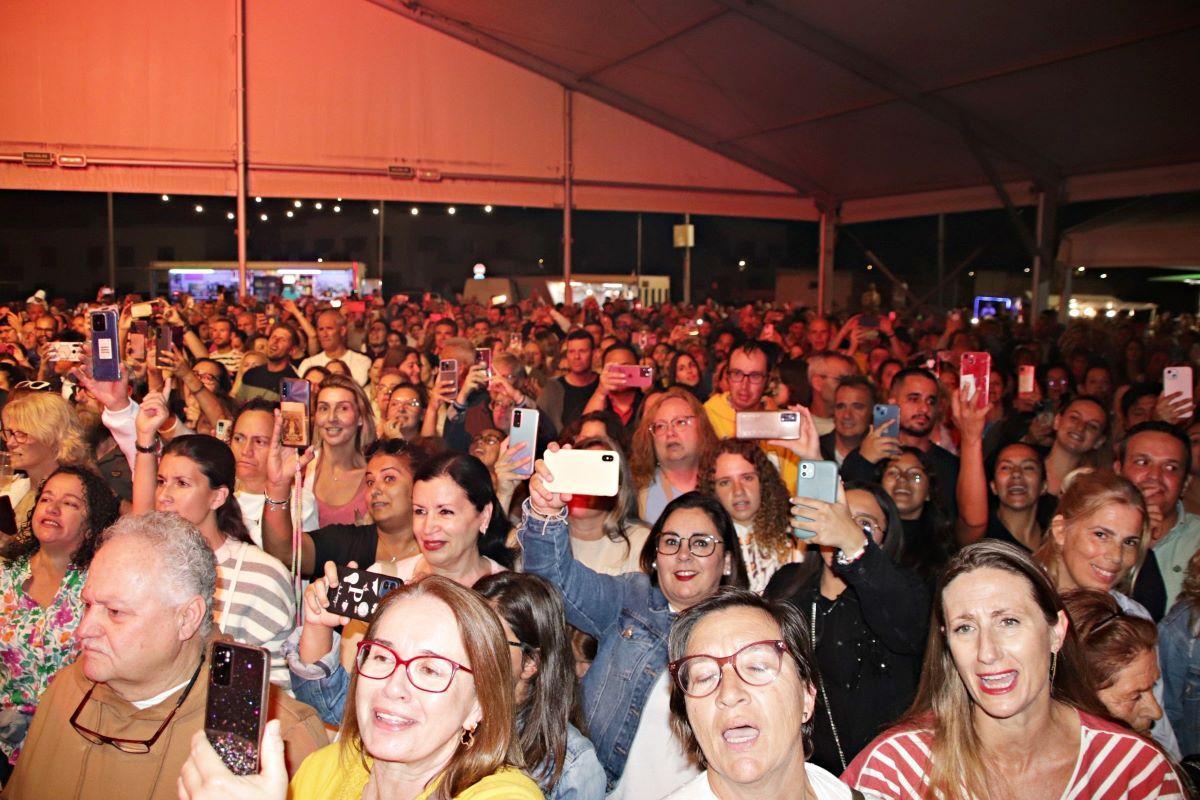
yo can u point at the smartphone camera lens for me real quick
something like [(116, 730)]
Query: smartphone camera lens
[(806, 470), (98, 322), (606, 458), (516, 417)]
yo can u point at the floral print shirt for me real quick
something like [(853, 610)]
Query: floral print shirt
[(35, 642)]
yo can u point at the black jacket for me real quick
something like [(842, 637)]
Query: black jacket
[(870, 642)]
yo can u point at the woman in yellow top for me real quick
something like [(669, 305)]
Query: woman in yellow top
[(429, 715)]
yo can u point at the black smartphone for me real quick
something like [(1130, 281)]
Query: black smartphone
[(236, 708), (8, 517), (294, 394), (359, 592), (168, 336)]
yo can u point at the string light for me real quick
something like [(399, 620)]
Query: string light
[(452, 211), (258, 199), (263, 217), (297, 203), (199, 209), (166, 197), (375, 211), (291, 214), (337, 209), (230, 215), (414, 211), (487, 209), (742, 262)]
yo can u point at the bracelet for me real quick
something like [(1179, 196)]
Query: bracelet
[(278, 503), (459, 407), (151, 448), (844, 560)]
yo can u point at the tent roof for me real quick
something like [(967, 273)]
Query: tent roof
[(737, 107), (1155, 232)]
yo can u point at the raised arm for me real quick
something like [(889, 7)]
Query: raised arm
[(277, 509), (150, 417), (971, 491)]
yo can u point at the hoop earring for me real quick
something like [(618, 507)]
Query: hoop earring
[(468, 738)]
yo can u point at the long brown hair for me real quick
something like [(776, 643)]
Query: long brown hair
[(770, 531), (943, 705), (495, 744), (364, 437), (1086, 491), (642, 458)]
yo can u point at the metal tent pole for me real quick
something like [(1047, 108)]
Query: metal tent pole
[(568, 168)]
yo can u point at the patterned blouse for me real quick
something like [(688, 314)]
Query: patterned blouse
[(35, 642)]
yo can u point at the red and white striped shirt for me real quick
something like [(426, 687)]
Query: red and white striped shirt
[(1113, 764)]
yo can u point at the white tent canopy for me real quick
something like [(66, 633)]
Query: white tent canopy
[(1158, 232)]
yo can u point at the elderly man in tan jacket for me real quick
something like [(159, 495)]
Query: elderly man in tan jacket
[(120, 720)]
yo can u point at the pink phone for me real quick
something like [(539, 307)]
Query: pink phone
[(974, 377), (1177, 379), (636, 377), (1027, 379)]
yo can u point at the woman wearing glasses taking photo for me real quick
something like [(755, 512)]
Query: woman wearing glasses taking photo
[(867, 618), (429, 715), (750, 725), (670, 442), (690, 552)]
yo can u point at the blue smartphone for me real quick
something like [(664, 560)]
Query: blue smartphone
[(106, 349), (885, 413)]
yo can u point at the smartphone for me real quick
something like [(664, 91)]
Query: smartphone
[(235, 710), (1177, 379), (65, 351), (767, 425), (106, 349), (448, 372), (818, 480), (224, 429), (642, 340), (515, 343), (1026, 379), (294, 394), (974, 378), (141, 310), (168, 336), (8, 517), (483, 355), (885, 413), (590, 472), (359, 592), (136, 343), (354, 306), (636, 377), (522, 429)]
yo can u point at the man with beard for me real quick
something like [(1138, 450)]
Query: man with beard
[(915, 391), (1157, 457), (263, 381), (1079, 430)]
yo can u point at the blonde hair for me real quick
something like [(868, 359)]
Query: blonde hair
[(642, 458), (1086, 491), (365, 437), (49, 419)]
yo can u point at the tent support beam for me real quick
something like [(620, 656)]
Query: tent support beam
[(1027, 237), (966, 262), (568, 169), (112, 246), (1043, 261), (825, 254), (657, 43), (876, 72), (877, 262), (464, 32), (241, 148)]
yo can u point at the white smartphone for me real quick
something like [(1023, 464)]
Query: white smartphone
[(767, 425), (522, 429), (1178, 379), (591, 472), (1026, 379)]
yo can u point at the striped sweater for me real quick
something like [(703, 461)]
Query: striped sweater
[(1113, 764), (254, 603)]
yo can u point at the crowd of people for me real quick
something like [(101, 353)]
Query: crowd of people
[(1000, 599)]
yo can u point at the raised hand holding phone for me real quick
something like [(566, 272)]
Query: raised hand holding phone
[(204, 775), (829, 524), (546, 502)]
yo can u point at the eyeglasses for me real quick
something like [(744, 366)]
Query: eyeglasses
[(910, 475), (757, 664), (136, 746), (700, 544), (869, 526), (488, 439), (737, 376), (33, 386), (679, 425), (524, 648), (11, 436), (431, 674), (409, 403)]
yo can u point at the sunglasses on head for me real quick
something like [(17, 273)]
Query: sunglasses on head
[(34, 386)]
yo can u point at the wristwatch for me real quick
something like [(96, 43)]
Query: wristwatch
[(150, 448)]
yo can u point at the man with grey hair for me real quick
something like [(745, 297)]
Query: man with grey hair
[(331, 334), (120, 720), (825, 370)]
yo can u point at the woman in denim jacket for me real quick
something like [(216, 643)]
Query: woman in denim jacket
[(1179, 657), (691, 551)]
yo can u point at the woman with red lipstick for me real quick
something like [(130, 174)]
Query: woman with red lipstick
[(691, 551), (1004, 709), (41, 575), (750, 724)]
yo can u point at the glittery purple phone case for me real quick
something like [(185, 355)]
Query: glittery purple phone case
[(235, 710)]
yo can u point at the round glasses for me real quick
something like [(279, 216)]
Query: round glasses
[(756, 664), (489, 439), (431, 674), (700, 544), (679, 425), (12, 436), (737, 376)]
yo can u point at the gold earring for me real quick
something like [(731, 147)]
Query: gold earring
[(468, 738), (1053, 667)]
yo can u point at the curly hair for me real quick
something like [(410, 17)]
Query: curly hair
[(770, 529), (103, 508)]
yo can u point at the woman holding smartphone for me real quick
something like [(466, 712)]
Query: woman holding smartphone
[(343, 428), (691, 552)]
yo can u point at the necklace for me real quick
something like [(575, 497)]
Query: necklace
[(837, 742)]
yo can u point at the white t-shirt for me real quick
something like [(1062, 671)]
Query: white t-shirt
[(359, 364), (610, 557), (657, 764), (824, 785), (406, 568), (252, 512)]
